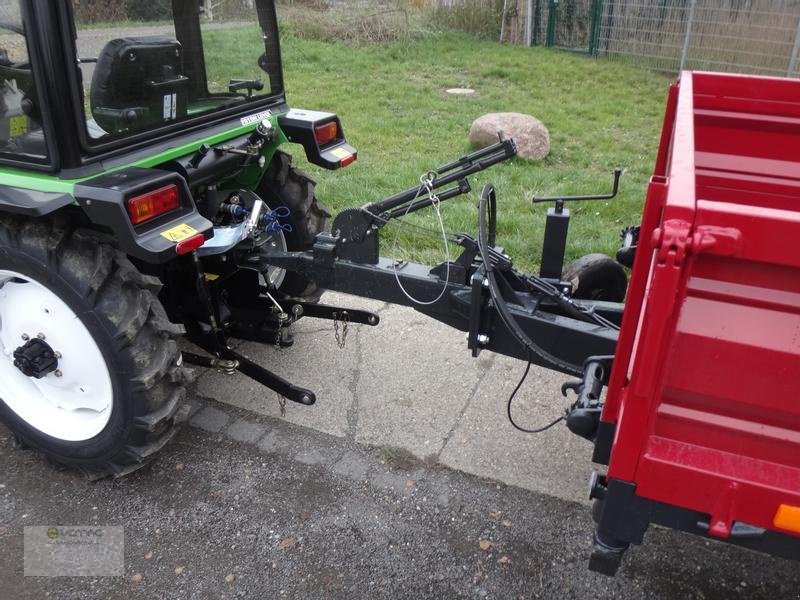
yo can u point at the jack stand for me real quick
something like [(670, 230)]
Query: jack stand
[(557, 227)]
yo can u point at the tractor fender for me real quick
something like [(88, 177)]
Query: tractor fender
[(31, 203)]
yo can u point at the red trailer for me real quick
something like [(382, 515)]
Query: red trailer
[(701, 425)]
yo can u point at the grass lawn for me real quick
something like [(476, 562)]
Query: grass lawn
[(391, 100)]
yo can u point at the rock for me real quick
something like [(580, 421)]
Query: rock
[(530, 134)]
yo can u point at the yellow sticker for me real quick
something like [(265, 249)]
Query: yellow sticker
[(179, 233), (211, 276), (340, 153), (17, 126)]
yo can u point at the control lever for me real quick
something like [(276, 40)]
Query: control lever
[(557, 227), (245, 84), (560, 200)]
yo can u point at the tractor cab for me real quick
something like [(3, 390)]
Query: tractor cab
[(176, 69), (73, 88)]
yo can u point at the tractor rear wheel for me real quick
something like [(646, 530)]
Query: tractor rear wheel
[(90, 373), (284, 185)]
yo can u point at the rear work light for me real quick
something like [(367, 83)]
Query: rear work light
[(152, 204), (326, 133)]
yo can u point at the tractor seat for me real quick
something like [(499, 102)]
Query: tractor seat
[(138, 83)]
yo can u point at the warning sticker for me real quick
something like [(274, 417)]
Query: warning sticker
[(179, 233), (17, 126), (340, 153), (170, 107)]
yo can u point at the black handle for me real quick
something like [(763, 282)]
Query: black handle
[(562, 199)]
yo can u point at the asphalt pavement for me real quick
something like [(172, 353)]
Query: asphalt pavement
[(403, 481)]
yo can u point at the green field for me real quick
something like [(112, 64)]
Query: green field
[(391, 100)]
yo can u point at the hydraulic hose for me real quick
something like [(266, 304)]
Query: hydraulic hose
[(500, 304)]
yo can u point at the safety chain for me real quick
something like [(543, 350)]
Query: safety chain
[(282, 405), (344, 319)]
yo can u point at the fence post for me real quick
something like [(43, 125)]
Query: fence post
[(689, 23), (552, 15), (594, 31), (503, 20), (795, 52), (529, 23)]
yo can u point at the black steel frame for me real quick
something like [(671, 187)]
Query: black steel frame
[(348, 260)]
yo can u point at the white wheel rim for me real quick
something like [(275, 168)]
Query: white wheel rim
[(73, 403)]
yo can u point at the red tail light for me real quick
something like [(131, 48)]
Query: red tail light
[(326, 133), (152, 204)]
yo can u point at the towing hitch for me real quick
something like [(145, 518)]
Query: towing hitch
[(480, 292)]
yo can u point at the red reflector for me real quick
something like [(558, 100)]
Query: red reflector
[(147, 206), (326, 133), (349, 160), (191, 244)]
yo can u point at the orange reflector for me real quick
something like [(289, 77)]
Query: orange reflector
[(326, 133), (190, 244), (349, 160), (788, 517), (152, 204)]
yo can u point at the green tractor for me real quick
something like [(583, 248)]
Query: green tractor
[(143, 198), (136, 186)]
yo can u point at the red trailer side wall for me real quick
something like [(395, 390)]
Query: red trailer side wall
[(703, 387)]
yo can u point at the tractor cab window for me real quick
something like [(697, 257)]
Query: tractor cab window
[(146, 64), (21, 132)]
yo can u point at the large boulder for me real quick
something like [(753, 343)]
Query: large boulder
[(530, 134)]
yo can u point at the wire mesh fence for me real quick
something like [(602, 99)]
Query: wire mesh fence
[(747, 36), (755, 36)]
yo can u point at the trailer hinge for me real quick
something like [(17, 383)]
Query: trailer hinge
[(672, 241)]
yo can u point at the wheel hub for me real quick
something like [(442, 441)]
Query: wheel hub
[(35, 358)]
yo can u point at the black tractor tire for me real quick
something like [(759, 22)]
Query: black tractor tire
[(597, 277), (119, 307), (284, 185)]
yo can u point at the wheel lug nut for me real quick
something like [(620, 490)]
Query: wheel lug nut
[(58, 373), (57, 354), (25, 337), (40, 336)]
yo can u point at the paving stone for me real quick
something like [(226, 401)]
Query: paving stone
[(246, 431), (352, 465), (210, 419)]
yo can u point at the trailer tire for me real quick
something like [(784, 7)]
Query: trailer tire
[(597, 277), (284, 185), (94, 288)]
